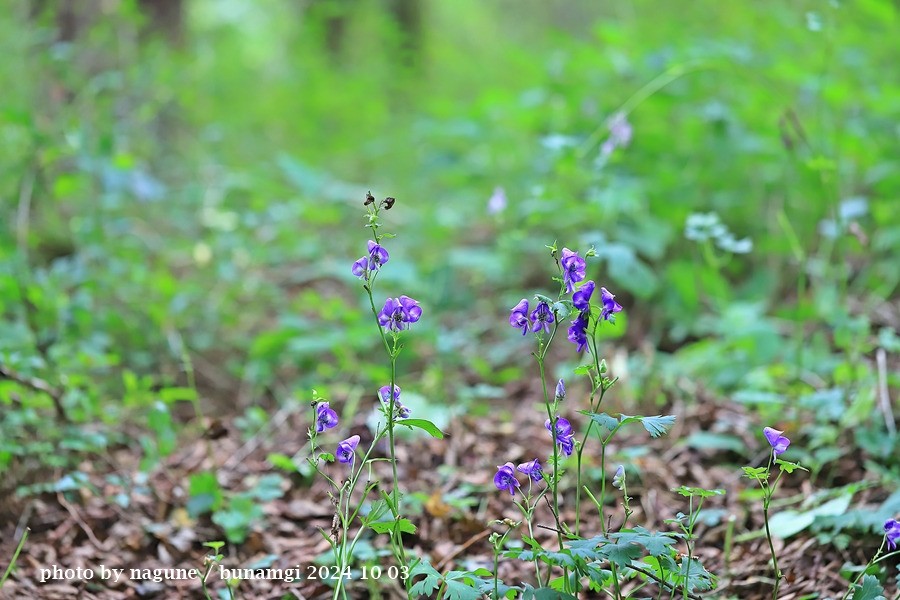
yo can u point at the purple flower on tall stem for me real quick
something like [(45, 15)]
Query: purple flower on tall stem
[(541, 317), (384, 393), (573, 267), (518, 318), (326, 418), (582, 298), (610, 306), (532, 469), (361, 268), (505, 479), (378, 255), (578, 331), (778, 442), (892, 533), (565, 436), (346, 450), (398, 313), (560, 394)]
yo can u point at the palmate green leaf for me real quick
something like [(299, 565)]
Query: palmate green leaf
[(655, 426), (696, 492), (429, 584), (698, 577), (423, 424), (789, 467), (654, 542), (620, 552), (604, 420), (587, 549), (755, 472), (869, 590), (545, 593), (463, 585), (406, 526)]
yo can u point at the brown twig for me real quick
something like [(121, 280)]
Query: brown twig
[(36, 384), (460, 549)]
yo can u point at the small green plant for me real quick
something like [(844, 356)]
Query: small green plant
[(209, 563), (15, 557)]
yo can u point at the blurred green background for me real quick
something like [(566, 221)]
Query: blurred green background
[(182, 186)]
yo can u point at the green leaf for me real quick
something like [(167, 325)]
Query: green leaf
[(587, 549), (604, 420), (561, 309), (620, 552), (282, 461), (658, 425), (204, 493), (583, 369), (654, 542), (756, 472), (789, 467), (424, 425), (545, 593), (869, 590), (429, 584), (406, 526), (789, 522), (696, 492), (175, 394)]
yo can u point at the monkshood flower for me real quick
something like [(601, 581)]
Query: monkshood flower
[(377, 255), (610, 306), (582, 298), (565, 436), (361, 268), (505, 479), (578, 331), (541, 317), (326, 418), (398, 313), (532, 469), (346, 450), (619, 477), (560, 391), (892, 533), (518, 318), (573, 268), (778, 442), (384, 393)]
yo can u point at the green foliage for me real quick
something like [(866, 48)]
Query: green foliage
[(870, 589)]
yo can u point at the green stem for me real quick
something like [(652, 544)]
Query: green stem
[(15, 557), (771, 549)]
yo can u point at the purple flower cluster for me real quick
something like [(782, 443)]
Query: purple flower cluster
[(778, 442), (398, 313), (505, 478), (384, 392), (376, 257), (565, 435), (892, 533)]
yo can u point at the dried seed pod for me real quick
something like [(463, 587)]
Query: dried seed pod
[(370, 199), (388, 203)]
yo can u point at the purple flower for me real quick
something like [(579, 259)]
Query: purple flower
[(398, 313), (778, 442), (619, 477), (384, 393), (541, 317), (578, 331), (497, 203), (892, 533), (505, 479), (610, 306), (582, 298), (573, 268), (565, 436), (326, 418), (560, 390), (518, 318), (361, 268), (532, 469), (377, 255), (346, 450)]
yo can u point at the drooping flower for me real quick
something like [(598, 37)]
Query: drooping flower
[(541, 317), (565, 436), (346, 450), (778, 442), (505, 479), (578, 331), (582, 298), (532, 469), (619, 477), (518, 318), (361, 268), (610, 306), (573, 267), (378, 255), (398, 313), (497, 203), (892, 533), (560, 390), (326, 418), (384, 393)]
